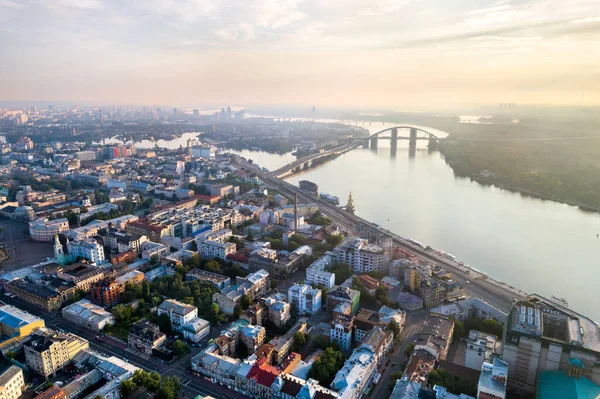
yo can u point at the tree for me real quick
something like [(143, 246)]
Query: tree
[(245, 302), (342, 272), (122, 314), (273, 284), (213, 266), (237, 311), (164, 324), (212, 313), (300, 339), (194, 246), (152, 382), (169, 388), (154, 260), (326, 367), (394, 327), (180, 348), (250, 237), (146, 290), (409, 350), (127, 387), (459, 329)]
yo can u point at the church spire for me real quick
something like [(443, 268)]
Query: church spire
[(350, 206), (59, 251)]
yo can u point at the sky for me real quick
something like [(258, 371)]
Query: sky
[(359, 53)]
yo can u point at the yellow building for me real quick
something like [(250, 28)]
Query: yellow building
[(48, 351), (16, 324)]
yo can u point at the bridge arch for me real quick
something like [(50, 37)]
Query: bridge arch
[(403, 127)]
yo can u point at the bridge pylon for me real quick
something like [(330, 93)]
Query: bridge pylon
[(412, 142), (394, 144), (374, 141)]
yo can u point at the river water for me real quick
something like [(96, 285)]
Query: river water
[(535, 245)]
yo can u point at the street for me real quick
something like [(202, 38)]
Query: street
[(192, 385)]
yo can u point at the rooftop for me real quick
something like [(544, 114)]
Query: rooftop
[(15, 317), (559, 385), (180, 308), (9, 374)]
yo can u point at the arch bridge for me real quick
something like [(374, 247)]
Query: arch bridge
[(412, 138)]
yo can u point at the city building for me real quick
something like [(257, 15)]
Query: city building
[(184, 318), (317, 274), (81, 274), (341, 330), (493, 378), (337, 294), (480, 348), (255, 314), (279, 264), (364, 322), (16, 324), (306, 299), (88, 249), (279, 312), (37, 295), (218, 368), (44, 230), (151, 249), (145, 337), (54, 392), (283, 344), (560, 384), (433, 292), (356, 376), (470, 307), (543, 335), (435, 336), (252, 337), (85, 314), (360, 255), (12, 383), (48, 352), (216, 250), (218, 280)]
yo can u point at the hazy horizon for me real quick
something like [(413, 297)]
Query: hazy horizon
[(398, 54)]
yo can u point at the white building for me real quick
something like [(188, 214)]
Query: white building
[(306, 298), (316, 274), (184, 318), (270, 217), (214, 249), (44, 230), (86, 314), (360, 255), (207, 151), (470, 307), (341, 329), (492, 380), (356, 375), (11, 383), (480, 348), (149, 249), (87, 249)]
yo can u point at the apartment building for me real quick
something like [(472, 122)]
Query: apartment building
[(356, 376), (317, 274), (88, 249), (252, 336), (48, 351), (184, 318), (360, 255), (435, 336), (218, 280), (306, 298), (44, 230), (337, 294), (542, 335), (12, 383)]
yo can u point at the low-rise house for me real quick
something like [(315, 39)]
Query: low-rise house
[(86, 314), (145, 337), (215, 279), (481, 347), (184, 318)]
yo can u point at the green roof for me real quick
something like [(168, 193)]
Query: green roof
[(558, 385)]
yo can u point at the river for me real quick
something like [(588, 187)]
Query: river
[(535, 245)]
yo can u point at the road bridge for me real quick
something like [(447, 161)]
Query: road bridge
[(311, 159), (412, 138)]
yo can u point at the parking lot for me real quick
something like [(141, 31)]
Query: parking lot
[(21, 251)]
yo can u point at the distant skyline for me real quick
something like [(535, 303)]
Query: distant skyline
[(351, 53)]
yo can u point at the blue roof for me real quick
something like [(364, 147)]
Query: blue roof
[(558, 385), (575, 362)]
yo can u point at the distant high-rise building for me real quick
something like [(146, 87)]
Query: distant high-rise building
[(228, 113)]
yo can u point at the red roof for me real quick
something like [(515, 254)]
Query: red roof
[(263, 373)]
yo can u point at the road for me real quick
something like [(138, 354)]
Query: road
[(192, 385), (414, 323), (497, 294)]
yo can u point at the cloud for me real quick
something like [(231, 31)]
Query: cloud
[(79, 4), (587, 20), (243, 32), (180, 11), (382, 7), (274, 14), (10, 4)]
